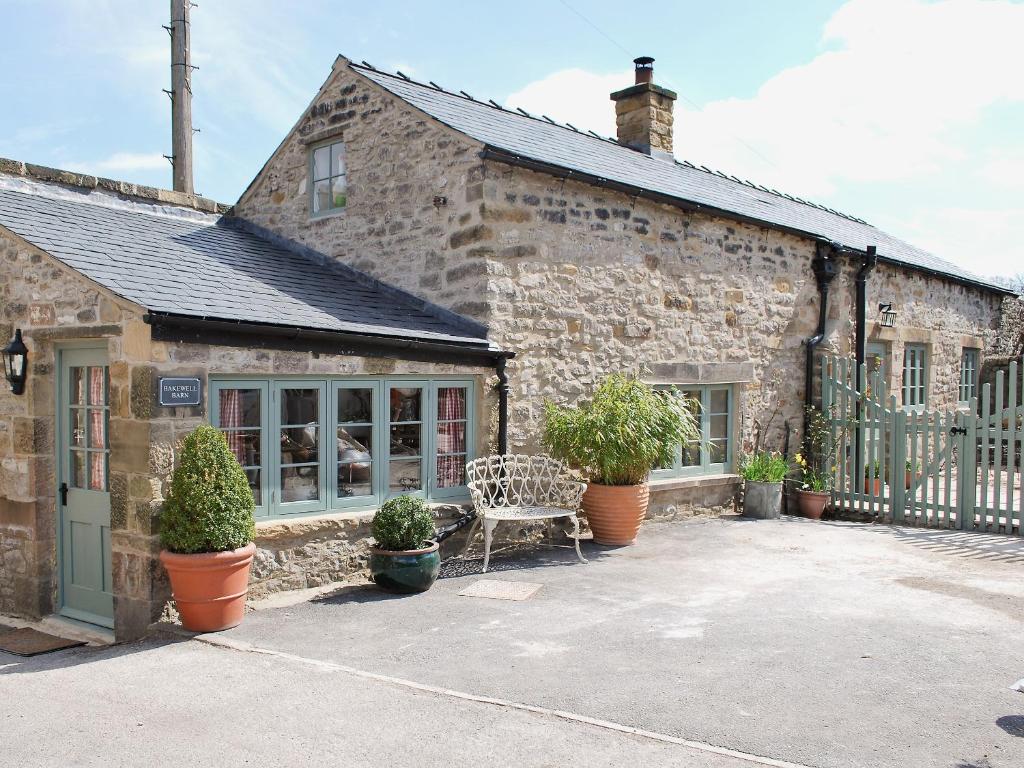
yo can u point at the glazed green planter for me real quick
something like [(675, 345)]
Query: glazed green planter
[(413, 570)]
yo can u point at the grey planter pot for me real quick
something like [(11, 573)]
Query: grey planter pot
[(762, 500)]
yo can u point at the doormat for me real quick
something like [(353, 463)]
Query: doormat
[(31, 642), (501, 590)]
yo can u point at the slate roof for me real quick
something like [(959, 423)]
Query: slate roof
[(181, 262), (565, 148)]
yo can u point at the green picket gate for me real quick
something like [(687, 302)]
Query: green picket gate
[(944, 469)]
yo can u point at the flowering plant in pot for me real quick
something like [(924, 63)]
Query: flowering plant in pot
[(405, 557), (207, 530), (763, 473), (817, 463), (873, 478), (627, 428)]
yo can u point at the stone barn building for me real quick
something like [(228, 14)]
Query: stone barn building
[(408, 278)]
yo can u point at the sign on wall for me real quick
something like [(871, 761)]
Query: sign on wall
[(180, 391)]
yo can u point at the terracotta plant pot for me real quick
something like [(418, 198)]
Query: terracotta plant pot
[(762, 500), (615, 512), (877, 485), (812, 503), (209, 589), (910, 479), (405, 570)]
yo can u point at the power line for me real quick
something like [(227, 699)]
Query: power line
[(689, 101)]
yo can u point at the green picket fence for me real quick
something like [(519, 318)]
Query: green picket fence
[(947, 469)]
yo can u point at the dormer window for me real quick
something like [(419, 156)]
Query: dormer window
[(328, 190)]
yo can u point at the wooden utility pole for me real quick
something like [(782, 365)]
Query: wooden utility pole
[(181, 97)]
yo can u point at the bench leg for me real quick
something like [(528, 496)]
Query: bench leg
[(488, 530), (469, 537), (576, 538)]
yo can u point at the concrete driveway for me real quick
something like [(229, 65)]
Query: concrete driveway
[(710, 643)]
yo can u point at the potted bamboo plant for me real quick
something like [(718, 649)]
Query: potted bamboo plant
[(627, 428), (405, 557), (207, 530), (763, 473)]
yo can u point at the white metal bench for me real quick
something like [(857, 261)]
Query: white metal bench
[(512, 487)]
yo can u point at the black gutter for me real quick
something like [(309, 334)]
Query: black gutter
[(509, 158), (184, 328), (825, 269)]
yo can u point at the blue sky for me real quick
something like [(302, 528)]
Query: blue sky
[(907, 113)]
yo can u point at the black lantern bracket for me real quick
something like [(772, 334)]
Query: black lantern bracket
[(16, 363)]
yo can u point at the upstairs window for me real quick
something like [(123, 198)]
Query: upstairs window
[(915, 376), (968, 375), (328, 187)]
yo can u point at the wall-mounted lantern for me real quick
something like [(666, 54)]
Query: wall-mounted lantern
[(888, 315), (16, 363)]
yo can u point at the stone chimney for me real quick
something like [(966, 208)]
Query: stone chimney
[(643, 113)]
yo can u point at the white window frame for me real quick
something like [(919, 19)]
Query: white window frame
[(706, 466), (270, 426), (914, 393), (969, 364), (333, 210)]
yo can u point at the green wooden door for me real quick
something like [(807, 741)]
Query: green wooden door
[(83, 497)]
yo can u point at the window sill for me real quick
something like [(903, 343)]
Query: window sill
[(697, 481), (332, 214), (290, 525)]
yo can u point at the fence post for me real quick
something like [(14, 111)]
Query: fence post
[(967, 469), (898, 456)]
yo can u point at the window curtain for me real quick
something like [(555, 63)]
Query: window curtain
[(451, 437), (97, 431), (231, 420)]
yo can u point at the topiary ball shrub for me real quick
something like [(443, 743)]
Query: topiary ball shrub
[(403, 523), (210, 506)]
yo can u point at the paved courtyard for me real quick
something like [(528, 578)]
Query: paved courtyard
[(710, 643)]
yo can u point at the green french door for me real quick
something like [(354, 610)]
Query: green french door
[(83, 495)]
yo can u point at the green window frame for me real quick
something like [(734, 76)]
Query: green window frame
[(312, 446), (968, 375), (915, 376), (328, 178), (713, 454)]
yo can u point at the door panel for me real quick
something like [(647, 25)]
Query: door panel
[(84, 508)]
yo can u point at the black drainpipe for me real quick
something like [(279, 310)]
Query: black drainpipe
[(467, 517), (868, 263), (825, 269)]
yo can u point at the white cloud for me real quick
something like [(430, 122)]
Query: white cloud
[(575, 96), (892, 101)]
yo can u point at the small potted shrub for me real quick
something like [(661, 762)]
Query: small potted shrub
[(913, 472), (405, 558), (627, 428), (873, 478), (763, 473), (207, 530)]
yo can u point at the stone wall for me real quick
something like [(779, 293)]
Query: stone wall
[(400, 165)]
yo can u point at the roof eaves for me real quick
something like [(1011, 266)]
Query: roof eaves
[(499, 155)]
